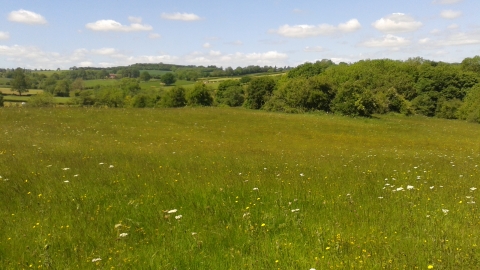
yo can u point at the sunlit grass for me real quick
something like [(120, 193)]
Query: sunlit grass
[(96, 188)]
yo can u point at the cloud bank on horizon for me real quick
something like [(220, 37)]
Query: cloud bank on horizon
[(64, 34)]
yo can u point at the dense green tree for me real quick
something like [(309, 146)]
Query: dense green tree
[(78, 85), (200, 95), (168, 78), (41, 100), (19, 81), (145, 76), (62, 88), (1, 99), (470, 109), (129, 86), (230, 93), (174, 98), (258, 92), (353, 100)]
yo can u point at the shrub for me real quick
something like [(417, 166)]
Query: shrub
[(174, 98), (470, 109), (448, 108), (258, 92), (200, 95), (41, 100), (230, 92), (353, 100), (1, 100)]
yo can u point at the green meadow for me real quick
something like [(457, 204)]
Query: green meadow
[(225, 188)]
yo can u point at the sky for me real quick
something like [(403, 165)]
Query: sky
[(53, 34)]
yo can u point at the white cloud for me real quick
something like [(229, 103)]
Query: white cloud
[(397, 23), (314, 49), (25, 16), (86, 64), (154, 36), (450, 14), (105, 51), (180, 16), (4, 35), (303, 30), (386, 41), (207, 45), (133, 19), (111, 25), (446, 2), (235, 59)]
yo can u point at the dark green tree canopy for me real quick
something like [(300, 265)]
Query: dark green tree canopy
[(19, 82)]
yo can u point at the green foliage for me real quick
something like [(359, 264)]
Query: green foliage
[(470, 109), (78, 85), (353, 100), (426, 103), (85, 98), (145, 99), (145, 76), (448, 108), (41, 100), (471, 64), (129, 86), (19, 81), (391, 101), (110, 96), (308, 70), (62, 88), (174, 98), (245, 79), (1, 100), (230, 93), (168, 78), (301, 94), (200, 95), (258, 92)]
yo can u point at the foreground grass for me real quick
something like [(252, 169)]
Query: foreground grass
[(251, 190)]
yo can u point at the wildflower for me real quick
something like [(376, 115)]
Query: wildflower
[(123, 235), (194, 233), (302, 174), (418, 177), (118, 226), (111, 166), (96, 259), (430, 266), (400, 189), (327, 248), (380, 197), (178, 217), (295, 210), (432, 187), (66, 181), (263, 224), (409, 187), (172, 211), (101, 163), (473, 188), (76, 175), (48, 166), (66, 169), (445, 211), (255, 188)]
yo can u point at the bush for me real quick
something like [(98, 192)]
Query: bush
[(470, 109), (258, 92), (448, 108), (174, 98), (426, 103), (200, 95), (352, 100), (1, 100), (230, 93), (41, 100)]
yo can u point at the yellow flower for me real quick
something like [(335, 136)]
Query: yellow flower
[(430, 266)]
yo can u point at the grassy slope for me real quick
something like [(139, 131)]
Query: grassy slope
[(208, 164)]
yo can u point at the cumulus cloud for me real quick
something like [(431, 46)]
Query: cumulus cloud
[(397, 23), (4, 35), (450, 14), (303, 30), (111, 25), (446, 2), (154, 36), (25, 16), (180, 16), (386, 41), (314, 49), (105, 51)]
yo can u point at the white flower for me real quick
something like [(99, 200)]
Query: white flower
[(445, 211), (409, 187), (380, 197), (432, 187), (111, 166), (76, 175), (66, 181), (255, 188), (473, 188), (123, 235), (172, 211), (96, 259), (302, 174), (66, 169), (418, 177), (101, 163), (178, 217), (194, 233), (48, 166), (400, 189), (295, 210)]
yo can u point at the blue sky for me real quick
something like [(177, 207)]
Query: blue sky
[(61, 34)]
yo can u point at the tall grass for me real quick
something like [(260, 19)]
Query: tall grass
[(213, 188)]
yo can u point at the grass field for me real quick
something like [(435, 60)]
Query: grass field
[(224, 188)]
